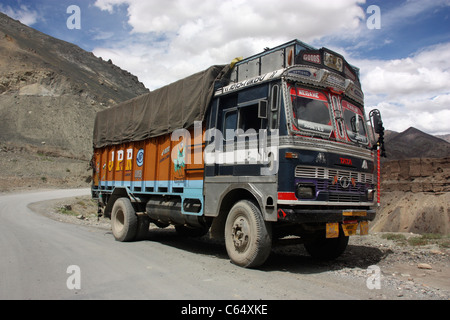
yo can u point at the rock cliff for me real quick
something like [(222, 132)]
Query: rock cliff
[(417, 175), (415, 197)]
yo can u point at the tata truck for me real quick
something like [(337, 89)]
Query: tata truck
[(274, 146)]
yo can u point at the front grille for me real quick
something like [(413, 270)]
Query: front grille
[(329, 174), (327, 182), (344, 197), (310, 172)]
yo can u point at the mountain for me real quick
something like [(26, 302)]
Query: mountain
[(50, 91), (413, 143), (445, 137)]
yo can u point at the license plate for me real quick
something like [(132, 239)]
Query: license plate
[(354, 213)]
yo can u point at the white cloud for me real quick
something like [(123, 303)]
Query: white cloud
[(24, 14), (229, 19), (181, 37), (413, 91)]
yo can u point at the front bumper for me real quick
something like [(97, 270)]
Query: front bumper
[(300, 216)]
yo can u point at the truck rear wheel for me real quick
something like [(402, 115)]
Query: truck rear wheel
[(248, 238), (322, 248), (124, 221)]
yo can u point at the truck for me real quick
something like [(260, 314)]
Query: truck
[(274, 146)]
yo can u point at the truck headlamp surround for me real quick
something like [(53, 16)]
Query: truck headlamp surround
[(305, 191), (370, 193)]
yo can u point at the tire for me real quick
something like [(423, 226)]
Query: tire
[(324, 249), (248, 238), (124, 221)]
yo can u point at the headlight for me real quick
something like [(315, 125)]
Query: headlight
[(370, 194), (305, 191)]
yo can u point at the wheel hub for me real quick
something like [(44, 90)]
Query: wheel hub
[(240, 234)]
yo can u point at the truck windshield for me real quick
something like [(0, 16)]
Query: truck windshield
[(311, 110), (354, 123)]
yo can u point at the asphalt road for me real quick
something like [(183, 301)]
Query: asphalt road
[(41, 258)]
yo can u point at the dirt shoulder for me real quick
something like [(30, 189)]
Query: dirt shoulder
[(26, 167), (416, 266)]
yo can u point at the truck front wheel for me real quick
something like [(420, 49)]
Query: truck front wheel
[(248, 238), (124, 221)]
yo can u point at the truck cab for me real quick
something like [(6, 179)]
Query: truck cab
[(297, 145)]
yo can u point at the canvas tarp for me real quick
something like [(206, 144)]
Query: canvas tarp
[(159, 112)]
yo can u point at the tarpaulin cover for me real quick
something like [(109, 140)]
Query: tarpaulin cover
[(159, 112)]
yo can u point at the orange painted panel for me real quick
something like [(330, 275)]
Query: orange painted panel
[(164, 161), (138, 161), (156, 159), (150, 159), (128, 163), (110, 163)]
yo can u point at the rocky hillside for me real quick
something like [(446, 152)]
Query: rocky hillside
[(415, 196), (445, 137), (415, 184), (417, 175), (50, 90), (413, 143)]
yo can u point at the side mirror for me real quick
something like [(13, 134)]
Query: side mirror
[(377, 126), (376, 122)]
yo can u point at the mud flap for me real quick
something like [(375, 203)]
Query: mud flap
[(332, 230), (364, 228), (349, 229)]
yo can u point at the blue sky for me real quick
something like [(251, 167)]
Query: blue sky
[(405, 64)]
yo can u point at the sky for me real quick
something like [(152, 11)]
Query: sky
[(402, 47)]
